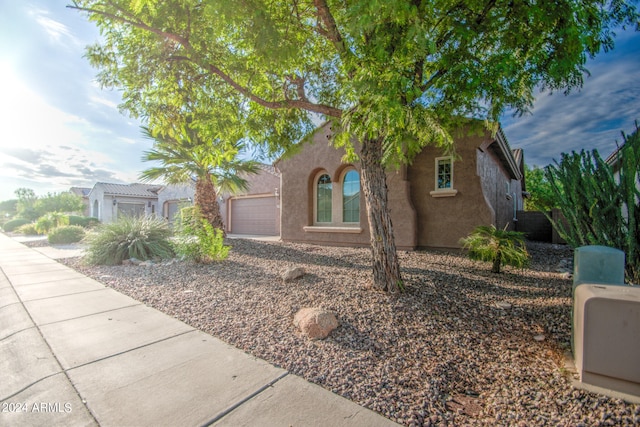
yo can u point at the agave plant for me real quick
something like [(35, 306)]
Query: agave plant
[(129, 237), (500, 247)]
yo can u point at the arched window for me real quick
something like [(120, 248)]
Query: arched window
[(351, 197), (323, 199)]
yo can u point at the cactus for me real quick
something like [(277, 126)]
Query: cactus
[(599, 207)]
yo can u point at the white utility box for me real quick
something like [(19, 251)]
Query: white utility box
[(606, 336)]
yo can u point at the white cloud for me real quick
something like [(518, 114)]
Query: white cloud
[(103, 101), (130, 141), (58, 32), (591, 118), (47, 147)]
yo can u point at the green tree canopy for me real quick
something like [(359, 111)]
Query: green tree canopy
[(26, 201), (542, 196), (8, 207), (394, 75), (63, 202)]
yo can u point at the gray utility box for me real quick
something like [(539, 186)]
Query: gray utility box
[(598, 264), (606, 322)]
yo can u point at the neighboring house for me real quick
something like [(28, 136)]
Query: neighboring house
[(84, 193), (258, 210), (614, 161), (433, 202), (109, 201), (174, 197)]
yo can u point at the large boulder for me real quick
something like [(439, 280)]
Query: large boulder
[(315, 323)]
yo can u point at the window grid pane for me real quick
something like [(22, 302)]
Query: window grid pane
[(323, 212), (444, 173), (351, 197)]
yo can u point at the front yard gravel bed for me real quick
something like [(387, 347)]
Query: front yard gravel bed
[(461, 346)]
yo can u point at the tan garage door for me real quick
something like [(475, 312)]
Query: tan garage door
[(256, 215)]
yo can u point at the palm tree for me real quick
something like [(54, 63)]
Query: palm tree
[(500, 247), (215, 166)]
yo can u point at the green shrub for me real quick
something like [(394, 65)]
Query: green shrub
[(197, 240), (14, 223), (500, 247), (129, 237), (66, 234), (51, 220), (83, 221), (27, 229)]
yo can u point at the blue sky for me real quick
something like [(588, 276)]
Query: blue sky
[(59, 129)]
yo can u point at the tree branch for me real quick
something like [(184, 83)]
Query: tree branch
[(330, 30), (303, 103)]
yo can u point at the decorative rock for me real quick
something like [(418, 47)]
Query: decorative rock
[(539, 338), (502, 305), (134, 261), (126, 262), (315, 323), (293, 274)]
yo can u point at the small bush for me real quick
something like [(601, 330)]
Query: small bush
[(51, 220), (197, 240), (129, 237), (83, 221), (14, 223), (27, 229), (66, 234)]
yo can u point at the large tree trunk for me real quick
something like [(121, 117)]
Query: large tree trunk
[(386, 268), (206, 201)]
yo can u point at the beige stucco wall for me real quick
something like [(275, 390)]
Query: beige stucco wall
[(480, 182), (442, 221), (298, 178), (419, 219), (503, 194)]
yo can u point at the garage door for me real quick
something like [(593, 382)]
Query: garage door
[(256, 215)]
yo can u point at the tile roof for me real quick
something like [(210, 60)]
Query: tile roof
[(80, 191), (132, 190)]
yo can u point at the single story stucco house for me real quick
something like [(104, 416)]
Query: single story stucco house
[(433, 202), (108, 201), (173, 197)]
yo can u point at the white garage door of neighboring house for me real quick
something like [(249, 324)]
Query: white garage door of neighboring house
[(131, 209), (255, 215)]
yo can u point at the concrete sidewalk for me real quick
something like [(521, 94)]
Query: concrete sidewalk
[(74, 352)]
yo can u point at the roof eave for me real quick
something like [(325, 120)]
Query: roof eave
[(506, 155)]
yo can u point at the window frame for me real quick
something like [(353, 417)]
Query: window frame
[(342, 195), (337, 225), (444, 191), (316, 183)]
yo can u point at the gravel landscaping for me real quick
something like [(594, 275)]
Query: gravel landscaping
[(461, 346)]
